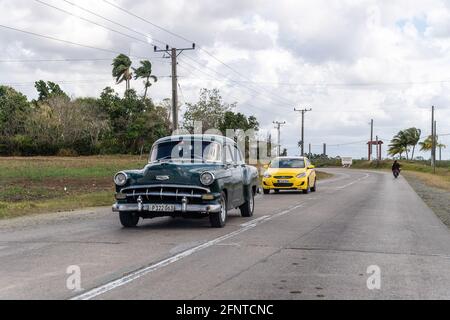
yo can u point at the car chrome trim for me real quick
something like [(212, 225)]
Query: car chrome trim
[(126, 178), (135, 207), (158, 186)]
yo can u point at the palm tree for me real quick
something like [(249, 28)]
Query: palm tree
[(400, 144), (413, 137), (396, 149), (441, 146), (427, 144), (145, 72), (121, 70)]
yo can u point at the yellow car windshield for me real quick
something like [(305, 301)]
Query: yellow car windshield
[(287, 163)]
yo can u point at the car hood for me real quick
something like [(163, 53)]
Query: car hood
[(285, 172), (171, 173)]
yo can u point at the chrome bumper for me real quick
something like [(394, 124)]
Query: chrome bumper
[(136, 207)]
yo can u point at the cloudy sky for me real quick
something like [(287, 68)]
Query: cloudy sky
[(348, 60)]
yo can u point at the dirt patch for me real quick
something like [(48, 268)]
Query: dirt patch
[(438, 199)]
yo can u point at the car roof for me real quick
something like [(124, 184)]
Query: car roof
[(202, 137), (299, 158)]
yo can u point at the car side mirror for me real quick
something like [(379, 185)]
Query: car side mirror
[(311, 167)]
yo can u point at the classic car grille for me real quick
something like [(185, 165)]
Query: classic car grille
[(165, 193), (283, 185), (283, 177)]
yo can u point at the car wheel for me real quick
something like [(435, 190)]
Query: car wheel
[(306, 191), (266, 191), (128, 219), (249, 206), (218, 219), (314, 188)]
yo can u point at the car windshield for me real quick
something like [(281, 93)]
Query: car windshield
[(287, 163), (187, 150)]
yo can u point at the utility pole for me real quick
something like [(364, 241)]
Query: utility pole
[(433, 158), (278, 127), (324, 149), (378, 151), (309, 150), (435, 145), (371, 139), (173, 53), (303, 111)]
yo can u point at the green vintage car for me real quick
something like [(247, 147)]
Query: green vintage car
[(190, 176)]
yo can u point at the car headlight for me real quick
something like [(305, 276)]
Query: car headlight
[(120, 179), (207, 178), (267, 175), (301, 175)]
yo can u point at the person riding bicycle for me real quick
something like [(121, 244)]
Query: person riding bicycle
[(396, 168)]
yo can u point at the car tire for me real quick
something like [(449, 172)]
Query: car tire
[(219, 219), (128, 219), (266, 191), (307, 190), (248, 207), (314, 188)]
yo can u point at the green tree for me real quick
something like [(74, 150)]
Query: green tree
[(134, 123), (14, 109), (145, 72), (121, 70), (232, 120), (47, 90), (210, 110)]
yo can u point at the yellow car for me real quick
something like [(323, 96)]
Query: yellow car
[(289, 173)]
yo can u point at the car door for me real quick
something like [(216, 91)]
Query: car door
[(240, 176), (232, 167), (311, 173)]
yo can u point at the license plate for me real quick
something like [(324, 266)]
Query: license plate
[(283, 181), (162, 207)]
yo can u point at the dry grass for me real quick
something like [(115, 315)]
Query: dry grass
[(436, 181)]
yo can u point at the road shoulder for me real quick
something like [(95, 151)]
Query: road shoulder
[(433, 193)]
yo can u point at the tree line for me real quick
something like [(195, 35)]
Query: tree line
[(56, 124)]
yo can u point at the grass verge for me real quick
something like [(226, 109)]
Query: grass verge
[(53, 184)]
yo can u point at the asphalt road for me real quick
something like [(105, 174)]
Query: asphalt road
[(316, 246)]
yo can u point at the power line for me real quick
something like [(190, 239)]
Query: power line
[(114, 22), (262, 93), (185, 39), (65, 41), (25, 83), (215, 78), (93, 22), (259, 94), (147, 21), (232, 85)]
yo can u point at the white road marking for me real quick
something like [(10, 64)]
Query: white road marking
[(254, 221), (351, 183), (146, 270)]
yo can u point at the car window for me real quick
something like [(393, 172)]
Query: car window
[(287, 163), (238, 155), (228, 154), (186, 150)]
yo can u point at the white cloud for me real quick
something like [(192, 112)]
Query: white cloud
[(361, 49)]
